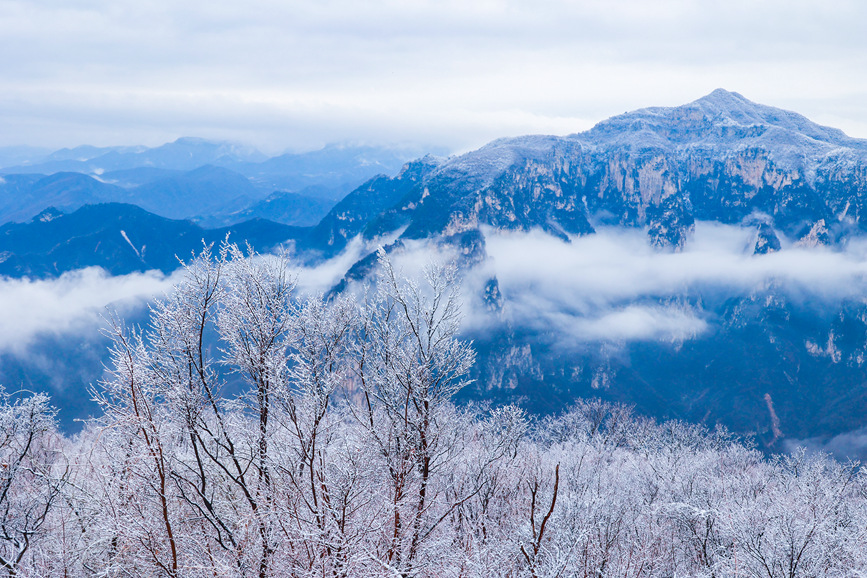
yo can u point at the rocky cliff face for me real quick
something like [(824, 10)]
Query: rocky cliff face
[(721, 158)]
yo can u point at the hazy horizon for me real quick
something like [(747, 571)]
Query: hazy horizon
[(295, 76)]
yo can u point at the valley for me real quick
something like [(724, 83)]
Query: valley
[(767, 337)]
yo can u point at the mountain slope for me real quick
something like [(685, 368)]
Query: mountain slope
[(777, 362), (280, 207), (370, 206), (23, 196), (119, 238), (203, 191)]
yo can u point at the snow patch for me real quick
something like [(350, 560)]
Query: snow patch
[(47, 217), (123, 234)]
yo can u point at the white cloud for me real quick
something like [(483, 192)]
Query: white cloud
[(630, 323), (72, 303), (846, 446), (615, 266), (606, 287), (613, 286), (75, 302), (322, 277)]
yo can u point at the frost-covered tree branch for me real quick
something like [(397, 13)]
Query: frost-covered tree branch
[(249, 430)]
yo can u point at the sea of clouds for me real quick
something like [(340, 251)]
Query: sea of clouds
[(607, 286), (614, 286)]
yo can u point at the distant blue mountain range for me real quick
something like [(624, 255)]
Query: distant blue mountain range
[(214, 182)]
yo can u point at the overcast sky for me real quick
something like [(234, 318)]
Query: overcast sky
[(283, 74)]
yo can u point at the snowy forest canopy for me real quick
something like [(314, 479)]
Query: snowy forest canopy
[(343, 455)]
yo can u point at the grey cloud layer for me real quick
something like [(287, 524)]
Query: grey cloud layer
[(301, 73)]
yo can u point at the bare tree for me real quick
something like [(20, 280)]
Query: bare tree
[(250, 431), (317, 461), (32, 474), (410, 363), (132, 404)]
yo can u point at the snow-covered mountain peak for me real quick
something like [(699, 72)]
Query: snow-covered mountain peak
[(725, 123), (724, 107), (721, 123)]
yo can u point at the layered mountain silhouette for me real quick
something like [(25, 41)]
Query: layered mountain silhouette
[(216, 183), (184, 154), (120, 238), (721, 158)]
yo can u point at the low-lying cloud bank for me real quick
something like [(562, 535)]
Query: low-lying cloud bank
[(614, 286), (325, 275), (611, 286), (615, 266), (74, 302)]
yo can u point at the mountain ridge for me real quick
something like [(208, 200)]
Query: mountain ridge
[(121, 238), (721, 157)]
